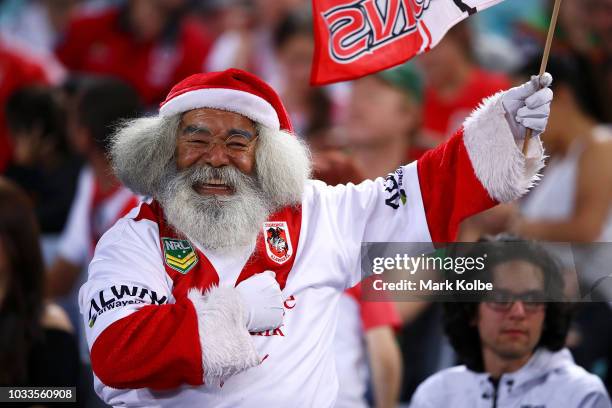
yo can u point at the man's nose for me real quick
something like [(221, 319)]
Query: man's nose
[(517, 310), (216, 156)]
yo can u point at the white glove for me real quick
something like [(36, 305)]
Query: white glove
[(263, 302), (528, 106)]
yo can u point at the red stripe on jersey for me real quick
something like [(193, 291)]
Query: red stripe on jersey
[(203, 275), (156, 347), (463, 194), (127, 207)]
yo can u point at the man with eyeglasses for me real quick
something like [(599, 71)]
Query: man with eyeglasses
[(512, 342)]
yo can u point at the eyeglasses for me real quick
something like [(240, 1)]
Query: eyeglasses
[(234, 143), (502, 301)]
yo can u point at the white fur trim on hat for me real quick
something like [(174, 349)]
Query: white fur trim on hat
[(244, 103)]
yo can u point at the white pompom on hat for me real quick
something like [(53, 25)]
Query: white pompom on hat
[(232, 90)]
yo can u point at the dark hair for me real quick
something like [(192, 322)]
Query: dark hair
[(102, 103), (458, 316), (38, 107), (293, 24), (21, 308)]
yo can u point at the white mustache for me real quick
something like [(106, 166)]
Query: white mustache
[(229, 176)]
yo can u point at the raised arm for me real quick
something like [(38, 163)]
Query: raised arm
[(482, 165), (425, 201)]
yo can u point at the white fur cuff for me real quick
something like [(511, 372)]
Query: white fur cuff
[(496, 156), (227, 348)]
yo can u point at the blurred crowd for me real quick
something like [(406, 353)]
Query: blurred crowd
[(71, 70)]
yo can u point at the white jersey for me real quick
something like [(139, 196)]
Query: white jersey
[(129, 254), (157, 341), (548, 380)]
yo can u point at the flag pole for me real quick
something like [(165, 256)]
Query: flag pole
[(549, 40)]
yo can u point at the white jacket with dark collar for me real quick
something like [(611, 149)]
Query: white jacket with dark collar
[(548, 380)]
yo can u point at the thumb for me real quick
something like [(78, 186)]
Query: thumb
[(527, 89), (268, 279), (271, 274)]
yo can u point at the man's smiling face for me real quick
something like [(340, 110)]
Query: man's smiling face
[(216, 138)]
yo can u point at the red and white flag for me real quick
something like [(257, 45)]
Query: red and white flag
[(354, 38)]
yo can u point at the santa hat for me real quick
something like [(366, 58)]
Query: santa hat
[(232, 90)]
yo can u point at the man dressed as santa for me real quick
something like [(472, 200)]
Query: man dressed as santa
[(222, 289)]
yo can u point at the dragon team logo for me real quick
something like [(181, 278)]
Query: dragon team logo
[(278, 243), (179, 254)]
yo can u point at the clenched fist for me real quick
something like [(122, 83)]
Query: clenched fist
[(263, 301), (528, 106)]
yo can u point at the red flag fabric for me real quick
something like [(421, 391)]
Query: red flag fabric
[(354, 38)]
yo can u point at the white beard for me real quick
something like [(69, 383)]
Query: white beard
[(215, 222)]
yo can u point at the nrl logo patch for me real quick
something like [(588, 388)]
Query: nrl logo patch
[(179, 254), (278, 243)]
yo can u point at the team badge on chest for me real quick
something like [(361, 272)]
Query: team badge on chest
[(179, 254), (278, 242)]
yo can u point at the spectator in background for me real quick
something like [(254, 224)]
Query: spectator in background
[(384, 117), (149, 44), (247, 41), (100, 198), (382, 122), (583, 35), (600, 16), (573, 203), (37, 347), (455, 85), (42, 162), (37, 26), (16, 70), (309, 107), (367, 352), (512, 342)]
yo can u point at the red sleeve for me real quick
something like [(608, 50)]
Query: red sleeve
[(156, 347), (375, 313), (450, 189)]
